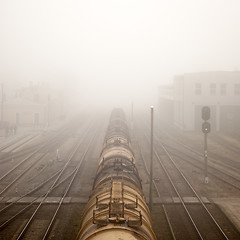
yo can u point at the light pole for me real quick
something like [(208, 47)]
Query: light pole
[(151, 163), (2, 104), (132, 113), (48, 110)]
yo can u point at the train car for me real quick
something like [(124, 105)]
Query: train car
[(116, 208)]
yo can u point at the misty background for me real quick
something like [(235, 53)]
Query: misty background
[(115, 52)]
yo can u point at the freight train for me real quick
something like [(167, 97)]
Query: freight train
[(116, 208)]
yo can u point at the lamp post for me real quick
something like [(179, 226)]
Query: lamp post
[(151, 163), (2, 104), (48, 110), (132, 116)]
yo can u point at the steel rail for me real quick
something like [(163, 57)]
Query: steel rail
[(34, 200), (196, 194), (7, 145), (191, 187), (28, 157), (214, 174), (200, 154), (158, 194), (30, 192), (27, 225), (20, 175), (45, 145), (175, 189), (67, 190), (20, 144), (179, 196), (210, 166)]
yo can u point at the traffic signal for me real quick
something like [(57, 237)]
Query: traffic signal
[(205, 113), (206, 127)]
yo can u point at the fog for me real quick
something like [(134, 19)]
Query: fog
[(112, 53)]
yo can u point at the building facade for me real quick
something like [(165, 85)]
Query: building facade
[(36, 105), (218, 90)]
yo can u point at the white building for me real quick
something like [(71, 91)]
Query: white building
[(36, 105), (218, 90)]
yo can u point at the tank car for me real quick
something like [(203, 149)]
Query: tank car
[(116, 208)]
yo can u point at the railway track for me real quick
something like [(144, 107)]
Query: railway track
[(185, 202), (33, 160), (23, 167), (216, 169), (45, 200), (230, 144), (29, 227), (18, 149), (18, 143), (215, 158), (213, 171)]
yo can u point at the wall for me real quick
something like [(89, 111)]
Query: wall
[(213, 89)]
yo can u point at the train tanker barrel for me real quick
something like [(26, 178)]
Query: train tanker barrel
[(116, 208)]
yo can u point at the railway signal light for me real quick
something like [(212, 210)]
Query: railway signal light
[(206, 127), (206, 113)]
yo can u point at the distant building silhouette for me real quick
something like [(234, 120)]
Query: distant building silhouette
[(181, 103), (36, 105)]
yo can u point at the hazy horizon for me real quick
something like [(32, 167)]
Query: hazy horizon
[(116, 51)]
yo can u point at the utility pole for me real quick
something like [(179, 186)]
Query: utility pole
[(151, 163)]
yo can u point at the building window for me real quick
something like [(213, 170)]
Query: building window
[(237, 89), (213, 88), (223, 89), (198, 89)]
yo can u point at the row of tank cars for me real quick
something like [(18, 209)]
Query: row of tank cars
[(116, 208)]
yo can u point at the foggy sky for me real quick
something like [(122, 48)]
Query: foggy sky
[(116, 49)]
